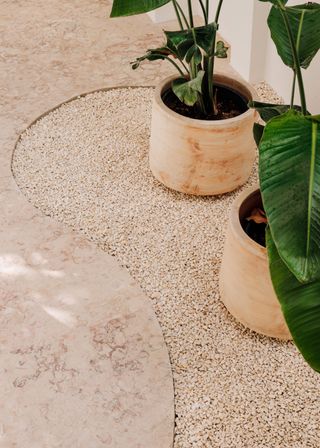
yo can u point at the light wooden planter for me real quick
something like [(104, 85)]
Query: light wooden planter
[(245, 282), (197, 156)]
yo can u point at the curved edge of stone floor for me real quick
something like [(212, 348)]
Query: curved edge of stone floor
[(83, 361)]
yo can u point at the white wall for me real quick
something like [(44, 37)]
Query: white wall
[(253, 54), (236, 22)]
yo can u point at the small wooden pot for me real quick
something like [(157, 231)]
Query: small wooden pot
[(202, 157), (245, 282)]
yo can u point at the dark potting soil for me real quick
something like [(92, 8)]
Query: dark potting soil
[(230, 104), (254, 226), (257, 232)]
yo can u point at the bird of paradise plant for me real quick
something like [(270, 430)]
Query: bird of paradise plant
[(191, 50), (289, 172)]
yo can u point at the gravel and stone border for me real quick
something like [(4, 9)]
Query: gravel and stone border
[(86, 164)]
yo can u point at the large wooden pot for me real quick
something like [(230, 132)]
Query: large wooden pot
[(245, 282), (202, 157)]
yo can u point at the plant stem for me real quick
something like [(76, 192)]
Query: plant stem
[(209, 63), (295, 56), (293, 89), (190, 13), (218, 11), (210, 70), (194, 68), (207, 9), (298, 49), (210, 81), (184, 66), (175, 64), (183, 15), (204, 12), (177, 14)]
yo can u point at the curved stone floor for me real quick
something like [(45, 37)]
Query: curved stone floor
[(82, 359)]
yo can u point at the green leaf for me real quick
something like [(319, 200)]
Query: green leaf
[(151, 55), (183, 48), (300, 305), (188, 91), (268, 111), (275, 2), (221, 50), (195, 53), (132, 7), (309, 43), (290, 187), (205, 38), (258, 132)]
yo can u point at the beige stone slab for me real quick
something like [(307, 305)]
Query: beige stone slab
[(83, 362), (82, 358)]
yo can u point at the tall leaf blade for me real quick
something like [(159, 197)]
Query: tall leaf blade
[(131, 7), (268, 110), (275, 2), (309, 43), (290, 187), (300, 305), (205, 37)]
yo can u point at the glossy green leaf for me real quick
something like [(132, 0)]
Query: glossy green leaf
[(188, 91), (268, 111), (205, 37), (221, 50), (289, 172), (275, 2), (132, 7), (258, 132), (300, 305), (183, 47), (309, 42), (195, 53), (151, 55)]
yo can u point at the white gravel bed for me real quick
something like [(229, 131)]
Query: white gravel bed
[(86, 164)]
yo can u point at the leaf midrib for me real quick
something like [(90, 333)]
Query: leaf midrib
[(311, 184)]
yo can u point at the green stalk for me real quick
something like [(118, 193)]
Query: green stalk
[(194, 72), (184, 66), (204, 12), (210, 79), (293, 89), (177, 14), (210, 61), (190, 13), (193, 67), (298, 49), (175, 64), (207, 8), (218, 11), (183, 15), (210, 65), (295, 57)]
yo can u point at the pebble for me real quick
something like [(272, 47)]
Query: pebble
[(86, 164)]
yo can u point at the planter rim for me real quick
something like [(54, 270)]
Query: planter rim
[(240, 234), (205, 123)]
